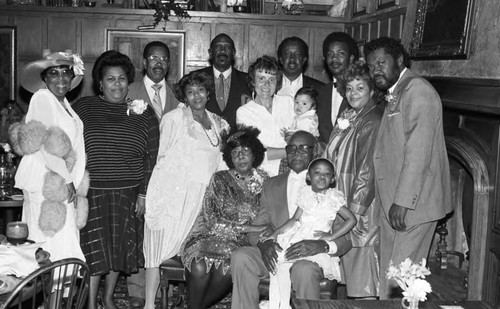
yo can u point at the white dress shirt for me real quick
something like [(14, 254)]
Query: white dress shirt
[(336, 102), (289, 87)]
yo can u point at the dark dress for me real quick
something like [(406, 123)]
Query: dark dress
[(121, 152), (214, 236)]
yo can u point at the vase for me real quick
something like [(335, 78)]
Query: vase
[(412, 303)]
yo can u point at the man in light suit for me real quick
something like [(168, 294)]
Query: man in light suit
[(156, 59), (293, 53), (339, 51), (411, 165), (226, 97), (251, 264)]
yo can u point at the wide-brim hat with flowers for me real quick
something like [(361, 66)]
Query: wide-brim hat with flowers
[(30, 75)]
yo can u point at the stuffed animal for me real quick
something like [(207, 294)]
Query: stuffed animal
[(27, 138)]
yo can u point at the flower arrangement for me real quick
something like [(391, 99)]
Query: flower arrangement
[(136, 106), (411, 278)]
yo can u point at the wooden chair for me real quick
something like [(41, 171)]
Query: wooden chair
[(59, 285)]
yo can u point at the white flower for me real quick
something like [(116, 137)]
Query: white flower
[(137, 106), (390, 98), (78, 67), (6, 147), (410, 277), (343, 123)]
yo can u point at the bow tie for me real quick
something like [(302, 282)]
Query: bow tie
[(335, 84)]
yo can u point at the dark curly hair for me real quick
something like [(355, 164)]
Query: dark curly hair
[(112, 58), (309, 91), (191, 79), (266, 64), (244, 137), (343, 38), (391, 46), (358, 70), (303, 46)]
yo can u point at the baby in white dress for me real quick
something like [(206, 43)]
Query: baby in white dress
[(305, 118), (318, 205)]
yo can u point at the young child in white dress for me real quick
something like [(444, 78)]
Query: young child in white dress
[(317, 207), (305, 118)]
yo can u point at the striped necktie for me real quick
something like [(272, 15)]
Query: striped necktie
[(157, 100), (220, 92)]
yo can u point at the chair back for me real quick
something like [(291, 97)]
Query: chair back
[(58, 285)]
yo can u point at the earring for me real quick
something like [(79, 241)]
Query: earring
[(101, 89)]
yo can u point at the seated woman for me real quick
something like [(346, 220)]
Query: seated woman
[(267, 111), (230, 204), (351, 148)]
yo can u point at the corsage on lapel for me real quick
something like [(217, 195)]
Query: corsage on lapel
[(392, 103)]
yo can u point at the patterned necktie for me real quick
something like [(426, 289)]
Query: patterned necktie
[(157, 100), (220, 92)]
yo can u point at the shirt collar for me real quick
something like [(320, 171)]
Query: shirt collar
[(226, 73), (391, 90), (299, 176), (148, 82), (297, 81)]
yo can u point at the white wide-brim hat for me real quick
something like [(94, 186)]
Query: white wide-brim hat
[(30, 75)]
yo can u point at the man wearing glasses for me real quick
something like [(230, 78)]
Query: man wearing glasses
[(250, 264), (153, 88)]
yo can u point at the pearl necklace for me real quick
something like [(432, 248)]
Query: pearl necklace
[(209, 139)]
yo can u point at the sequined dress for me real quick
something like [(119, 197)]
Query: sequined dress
[(226, 205)]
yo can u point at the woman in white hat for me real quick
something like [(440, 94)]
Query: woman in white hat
[(53, 165)]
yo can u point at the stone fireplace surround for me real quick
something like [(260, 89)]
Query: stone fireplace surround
[(472, 123)]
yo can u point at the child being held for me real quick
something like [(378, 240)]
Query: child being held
[(305, 118), (318, 205)]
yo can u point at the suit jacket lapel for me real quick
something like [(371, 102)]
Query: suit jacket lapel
[(279, 214)]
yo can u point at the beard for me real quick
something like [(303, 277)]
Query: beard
[(384, 82)]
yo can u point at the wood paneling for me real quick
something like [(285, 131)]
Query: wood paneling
[(83, 31)]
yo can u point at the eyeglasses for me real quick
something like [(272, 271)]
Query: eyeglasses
[(292, 149), (157, 59), (56, 73), (245, 151)]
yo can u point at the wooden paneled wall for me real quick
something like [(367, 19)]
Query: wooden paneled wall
[(83, 31)]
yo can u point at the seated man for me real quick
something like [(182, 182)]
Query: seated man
[(250, 264)]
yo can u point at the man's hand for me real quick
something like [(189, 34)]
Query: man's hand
[(140, 206), (305, 248), (71, 192), (397, 216), (268, 250)]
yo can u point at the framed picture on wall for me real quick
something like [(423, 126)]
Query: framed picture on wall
[(7, 64), (359, 7), (453, 18), (132, 43), (383, 4)]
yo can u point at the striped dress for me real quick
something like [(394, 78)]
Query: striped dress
[(121, 153)]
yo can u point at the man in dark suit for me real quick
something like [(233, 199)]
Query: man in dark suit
[(293, 53), (410, 160), (156, 61), (230, 84), (339, 51), (153, 89), (277, 205)]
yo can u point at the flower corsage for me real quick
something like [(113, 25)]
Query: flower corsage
[(345, 120), (255, 182), (136, 106)]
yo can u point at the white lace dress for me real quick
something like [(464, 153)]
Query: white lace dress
[(319, 212)]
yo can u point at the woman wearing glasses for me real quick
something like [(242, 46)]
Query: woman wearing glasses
[(230, 204), (50, 79), (267, 111)]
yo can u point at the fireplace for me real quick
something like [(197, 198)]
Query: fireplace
[(472, 124)]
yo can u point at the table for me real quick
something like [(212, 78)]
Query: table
[(8, 210), (381, 304)]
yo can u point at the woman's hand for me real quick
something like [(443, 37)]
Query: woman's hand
[(140, 205), (71, 192)]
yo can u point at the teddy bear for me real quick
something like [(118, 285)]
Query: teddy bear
[(28, 138)]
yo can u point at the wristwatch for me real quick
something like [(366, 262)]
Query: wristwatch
[(327, 247)]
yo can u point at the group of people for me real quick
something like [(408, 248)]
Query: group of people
[(245, 176)]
